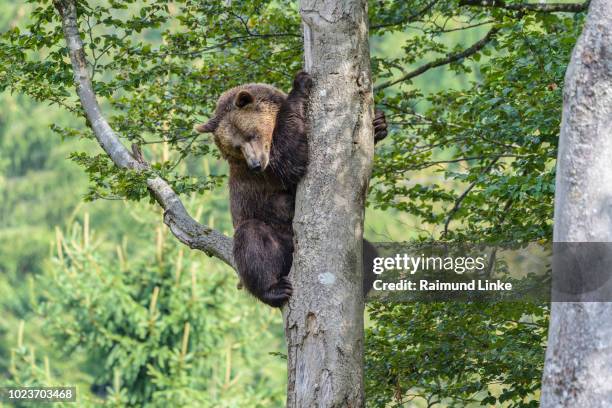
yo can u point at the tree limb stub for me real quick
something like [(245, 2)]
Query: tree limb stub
[(183, 226)]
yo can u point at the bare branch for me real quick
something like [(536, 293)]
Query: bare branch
[(540, 7), (182, 225), (477, 46)]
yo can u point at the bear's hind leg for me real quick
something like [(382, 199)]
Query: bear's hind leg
[(263, 256)]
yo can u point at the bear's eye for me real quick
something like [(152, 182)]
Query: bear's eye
[(252, 137)]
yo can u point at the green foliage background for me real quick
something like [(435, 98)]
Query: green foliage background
[(96, 293)]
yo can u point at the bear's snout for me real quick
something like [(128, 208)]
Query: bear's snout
[(254, 165), (255, 156)]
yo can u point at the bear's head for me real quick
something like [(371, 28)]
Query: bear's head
[(243, 123)]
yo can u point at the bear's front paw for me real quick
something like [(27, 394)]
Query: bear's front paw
[(279, 293), (380, 126), (303, 82)]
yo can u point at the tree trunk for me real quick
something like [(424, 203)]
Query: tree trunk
[(324, 318), (578, 369)]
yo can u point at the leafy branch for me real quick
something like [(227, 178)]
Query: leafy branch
[(182, 225), (452, 57)]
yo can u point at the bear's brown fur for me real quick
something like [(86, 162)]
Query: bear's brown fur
[(261, 132)]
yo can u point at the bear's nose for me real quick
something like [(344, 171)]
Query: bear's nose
[(255, 165)]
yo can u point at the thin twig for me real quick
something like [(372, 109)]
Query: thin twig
[(463, 195)]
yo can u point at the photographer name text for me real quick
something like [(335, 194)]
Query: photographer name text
[(426, 285)]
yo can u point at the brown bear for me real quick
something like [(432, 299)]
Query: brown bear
[(261, 132)]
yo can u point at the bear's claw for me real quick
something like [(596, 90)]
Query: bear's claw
[(380, 125), (278, 294)]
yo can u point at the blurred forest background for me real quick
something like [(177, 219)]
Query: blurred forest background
[(96, 293)]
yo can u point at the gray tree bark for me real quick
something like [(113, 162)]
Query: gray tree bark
[(324, 318), (578, 368)]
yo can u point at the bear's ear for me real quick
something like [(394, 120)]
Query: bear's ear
[(243, 99), (207, 127)]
